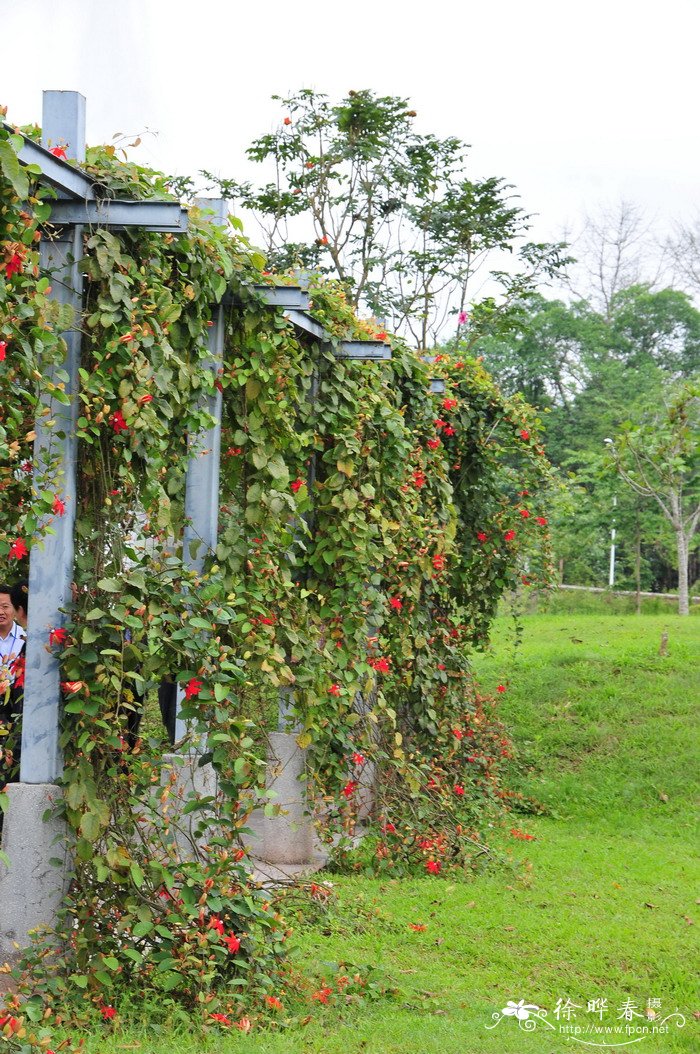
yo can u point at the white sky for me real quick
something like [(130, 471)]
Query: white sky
[(575, 103)]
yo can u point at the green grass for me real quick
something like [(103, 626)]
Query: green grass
[(597, 906)]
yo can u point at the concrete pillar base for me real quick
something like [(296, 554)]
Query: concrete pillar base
[(366, 790), (289, 837), (31, 889), (187, 780)]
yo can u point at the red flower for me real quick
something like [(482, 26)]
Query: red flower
[(525, 514), (521, 834), (425, 843), (118, 423), (13, 1023), (439, 562), (57, 636), (222, 1019), (13, 265), (334, 689), (417, 927), (396, 603), (458, 733), (509, 536), (358, 759), (215, 923), (432, 784), (108, 1012), (524, 493), (58, 507), (17, 550), (500, 688), (482, 536), (433, 444), (296, 485), (433, 866), (439, 423), (349, 789), (58, 151), (232, 943), (380, 665), (3, 350), (418, 478), (524, 434), (287, 120), (322, 995), (273, 1001), (381, 335), (145, 399), (389, 828), (459, 790), (71, 686), (542, 521), (268, 620), (234, 451), (193, 688), (449, 430), (449, 404)]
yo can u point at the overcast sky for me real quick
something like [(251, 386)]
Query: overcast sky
[(575, 103)]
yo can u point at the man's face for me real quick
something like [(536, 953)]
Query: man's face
[(7, 614)]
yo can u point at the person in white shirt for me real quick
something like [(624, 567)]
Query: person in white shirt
[(12, 640), (11, 635)]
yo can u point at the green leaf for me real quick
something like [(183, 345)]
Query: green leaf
[(110, 585), (13, 171)]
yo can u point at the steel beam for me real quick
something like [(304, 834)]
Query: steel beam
[(289, 296), (364, 350), (68, 181), (166, 216)]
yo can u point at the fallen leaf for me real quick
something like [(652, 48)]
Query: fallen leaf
[(662, 796), (616, 885), (646, 905), (688, 919)]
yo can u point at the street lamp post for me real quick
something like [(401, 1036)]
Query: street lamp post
[(611, 573)]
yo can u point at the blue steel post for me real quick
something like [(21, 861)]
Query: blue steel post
[(55, 448), (202, 485)]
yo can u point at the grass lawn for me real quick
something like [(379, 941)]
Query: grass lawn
[(600, 905)]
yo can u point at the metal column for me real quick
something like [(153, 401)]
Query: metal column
[(202, 485), (55, 450)]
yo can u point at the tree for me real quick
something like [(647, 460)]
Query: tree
[(359, 194), (659, 458), (613, 251)]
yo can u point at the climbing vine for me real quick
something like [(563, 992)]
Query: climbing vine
[(367, 530)]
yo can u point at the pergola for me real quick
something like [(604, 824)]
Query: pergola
[(30, 888)]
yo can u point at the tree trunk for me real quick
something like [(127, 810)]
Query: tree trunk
[(682, 546)]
